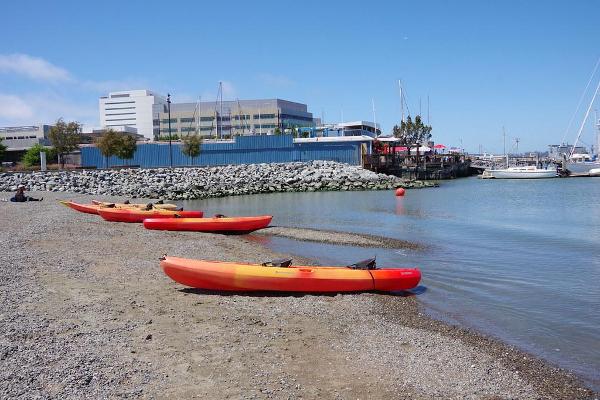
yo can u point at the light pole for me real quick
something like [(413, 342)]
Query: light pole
[(169, 112)]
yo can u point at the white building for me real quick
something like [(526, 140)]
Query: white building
[(130, 108)]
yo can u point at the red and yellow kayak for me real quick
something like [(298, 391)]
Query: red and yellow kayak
[(166, 206), (217, 275), (215, 224), (135, 215), (86, 208)]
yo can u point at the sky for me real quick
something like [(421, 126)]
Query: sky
[(485, 66)]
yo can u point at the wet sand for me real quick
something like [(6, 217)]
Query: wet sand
[(86, 312)]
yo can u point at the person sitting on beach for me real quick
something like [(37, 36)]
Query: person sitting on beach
[(20, 197)]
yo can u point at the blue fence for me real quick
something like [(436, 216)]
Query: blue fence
[(242, 150)]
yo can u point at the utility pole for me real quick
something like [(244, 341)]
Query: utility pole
[(170, 146)]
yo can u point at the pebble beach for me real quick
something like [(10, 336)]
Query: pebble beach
[(87, 313)]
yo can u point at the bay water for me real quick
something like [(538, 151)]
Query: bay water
[(516, 259)]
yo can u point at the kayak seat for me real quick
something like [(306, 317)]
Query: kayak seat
[(111, 205), (149, 206), (126, 202), (364, 264), (160, 202), (220, 216), (279, 262)]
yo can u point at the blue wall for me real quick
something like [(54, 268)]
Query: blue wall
[(244, 150)]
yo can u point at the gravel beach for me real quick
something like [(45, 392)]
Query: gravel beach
[(86, 312)]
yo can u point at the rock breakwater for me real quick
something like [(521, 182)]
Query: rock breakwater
[(199, 183)]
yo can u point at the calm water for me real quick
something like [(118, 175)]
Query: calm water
[(519, 260)]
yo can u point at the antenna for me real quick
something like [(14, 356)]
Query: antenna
[(517, 140)]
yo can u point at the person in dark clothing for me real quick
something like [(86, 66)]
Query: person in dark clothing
[(20, 197)]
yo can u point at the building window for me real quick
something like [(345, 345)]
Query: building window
[(166, 121), (207, 118), (264, 116), (241, 117), (121, 119), (113, 96), (187, 119), (206, 128), (122, 102), (188, 129)]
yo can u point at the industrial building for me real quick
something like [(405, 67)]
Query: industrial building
[(225, 119), (17, 138)]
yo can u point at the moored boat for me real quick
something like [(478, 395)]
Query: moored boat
[(231, 276), (215, 224), (526, 172), (134, 215)]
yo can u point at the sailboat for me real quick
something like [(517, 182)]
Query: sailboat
[(580, 164), (518, 172)]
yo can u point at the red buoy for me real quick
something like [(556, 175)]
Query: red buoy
[(400, 192)]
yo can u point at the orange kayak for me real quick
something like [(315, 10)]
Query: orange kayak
[(135, 215), (86, 208), (228, 276), (215, 224), (167, 206)]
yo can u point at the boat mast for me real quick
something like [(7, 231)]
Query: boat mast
[(587, 113), (374, 120), (401, 100)]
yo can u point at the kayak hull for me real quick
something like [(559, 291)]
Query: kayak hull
[(225, 276), (84, 208), (133, 215), (223, 225)]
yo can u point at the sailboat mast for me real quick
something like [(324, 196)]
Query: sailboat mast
[(374, 120), (587, 113), (401, 101)]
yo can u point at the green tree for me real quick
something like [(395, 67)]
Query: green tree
[(413, 132), (2, 150), (32, 156), (277, 131), (64, 138), (191, 146), (107, 144), (126, 147)]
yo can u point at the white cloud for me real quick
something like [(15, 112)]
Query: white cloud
[(276, 80), (33, 67), (44, 108), (14, 108)]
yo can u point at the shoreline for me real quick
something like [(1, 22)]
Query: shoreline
[(88, 313)]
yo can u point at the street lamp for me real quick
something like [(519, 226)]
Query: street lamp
[(169, 113)]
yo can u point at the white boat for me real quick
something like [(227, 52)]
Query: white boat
[(526, 172), (580, 165), (594, 172)]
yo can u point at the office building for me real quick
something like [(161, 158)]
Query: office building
[(130, 109), (229, 118)]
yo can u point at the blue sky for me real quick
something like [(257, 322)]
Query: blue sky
[(484, 65)]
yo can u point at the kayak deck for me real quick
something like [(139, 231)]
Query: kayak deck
[(133, 215)]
